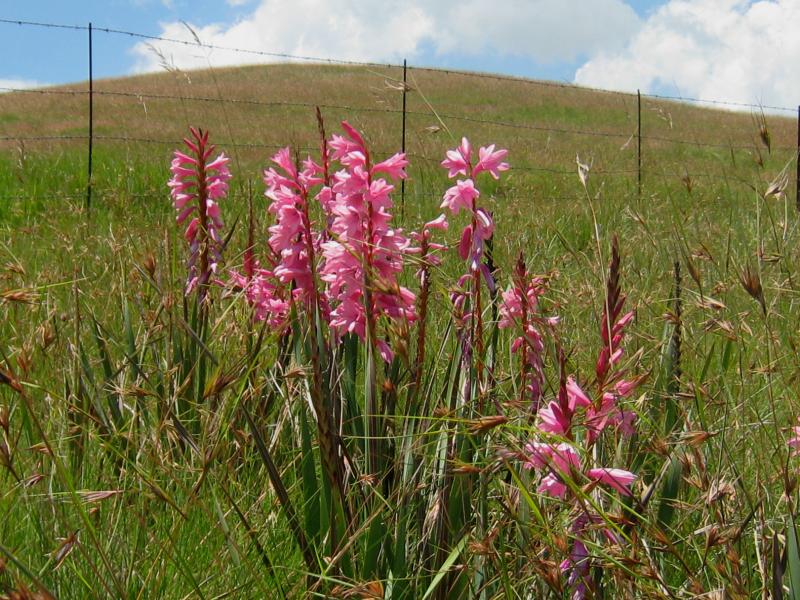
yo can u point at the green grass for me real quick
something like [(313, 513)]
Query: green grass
[(193, 494)]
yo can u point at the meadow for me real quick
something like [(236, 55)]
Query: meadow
[(159, 442)]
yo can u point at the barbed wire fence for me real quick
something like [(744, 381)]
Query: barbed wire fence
[(638, 135)]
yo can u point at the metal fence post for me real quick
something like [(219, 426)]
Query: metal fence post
[(91, 126), (403, 144), (797, 161), (639, 143)]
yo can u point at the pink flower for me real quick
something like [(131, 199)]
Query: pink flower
[(794, 442), (264, 294), (576, 567), (551, 485), (393, 167), (491, 161), (462, 195), (554, 419), (458, 161), (577, 397), (195, 187), (562, 462), (618, 479), (608, 413), (559, 461), (624, 387)]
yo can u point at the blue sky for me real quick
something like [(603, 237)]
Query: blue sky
[(729, 49)]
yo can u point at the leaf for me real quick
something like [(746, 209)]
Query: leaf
[(443, 570), (311, 489), (793, 559), (669, 493), (377, 533), (778, 569), (281, 492), (108, 374)]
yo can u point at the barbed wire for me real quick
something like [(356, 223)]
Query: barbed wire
[(223, 144), (318, 59), (410, 196), (721, 102), (367, 109)]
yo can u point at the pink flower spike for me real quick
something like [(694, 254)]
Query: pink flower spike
[(195, 185), (363, 254), (618, 479)]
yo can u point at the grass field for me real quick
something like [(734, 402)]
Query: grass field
[(150, 448)]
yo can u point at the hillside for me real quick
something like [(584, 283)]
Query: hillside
[(259, 108)]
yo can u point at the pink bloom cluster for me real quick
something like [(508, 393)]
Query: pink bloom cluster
[(557, 416), (365, 255), (562, 463), (558, 461), (427, 248), (196, 185), (612, 350), (265, 294), (292, 237), (562, 469), (464, 194), (520, 308)]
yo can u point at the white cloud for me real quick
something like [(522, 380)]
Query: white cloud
[(545, 30), (389, 30), (348, 30), (7, 85), (739, 50)]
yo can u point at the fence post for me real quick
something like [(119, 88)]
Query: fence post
[(403, 145), (797, 161), (91, 126), (639, 143)]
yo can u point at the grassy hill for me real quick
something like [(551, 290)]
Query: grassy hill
[(543, 125), (91, 306)]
